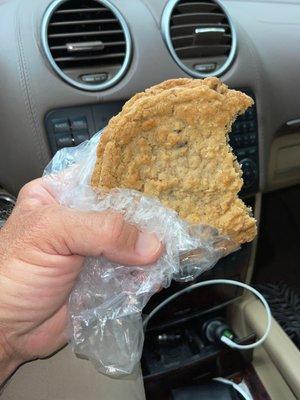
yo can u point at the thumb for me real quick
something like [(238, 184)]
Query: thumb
[(94, 233)]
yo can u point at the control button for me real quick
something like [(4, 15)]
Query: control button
[(249, 172), (244, 127), (250, 113), (238, 140), (80, 137), (208, 67), (94, 78), (236, 127), (246, 140), (244, 117), (64, 140), (79, 123), (240, 153), (252, 138), (251, 125), (251, 151), (61, 125)]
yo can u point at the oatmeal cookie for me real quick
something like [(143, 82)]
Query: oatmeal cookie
[(171, 142)]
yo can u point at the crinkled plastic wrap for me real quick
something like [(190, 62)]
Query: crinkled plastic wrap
[(108, 299)]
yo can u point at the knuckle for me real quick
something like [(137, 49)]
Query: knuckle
[(27, 190), (28, 195), (24, 204)]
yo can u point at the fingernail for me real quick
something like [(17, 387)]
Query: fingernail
[(147, 244)]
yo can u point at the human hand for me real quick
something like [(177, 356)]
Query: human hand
[(42, 249)]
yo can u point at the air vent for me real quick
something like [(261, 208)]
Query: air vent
[(200, 36), (87, 42)]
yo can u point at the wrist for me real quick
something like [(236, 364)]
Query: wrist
[(9, 362)]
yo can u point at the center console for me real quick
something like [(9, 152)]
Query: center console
[(177, 351)]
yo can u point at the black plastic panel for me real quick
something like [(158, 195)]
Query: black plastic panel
[(103, 112), (178, 355), (184, 346), (244, 141), (61, 126)]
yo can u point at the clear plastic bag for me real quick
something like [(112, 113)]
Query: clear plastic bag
[(107, 301)]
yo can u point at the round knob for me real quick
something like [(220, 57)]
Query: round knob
[(249, 171)]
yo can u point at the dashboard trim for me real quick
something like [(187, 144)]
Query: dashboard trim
[(92, 88)]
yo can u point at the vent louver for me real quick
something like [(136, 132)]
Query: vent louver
[(199, 35), (87, 42)]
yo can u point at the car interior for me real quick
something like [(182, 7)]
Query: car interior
[(67, 67)]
